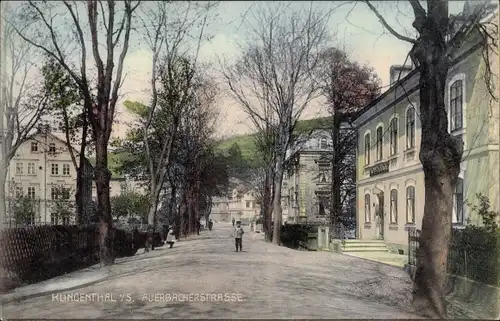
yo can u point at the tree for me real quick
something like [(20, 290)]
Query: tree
[(23, 101), (37, 25), (347, 87), (440, 36), (273, 81), (63, 206), (129, 204), (66, 106), (166, 35)]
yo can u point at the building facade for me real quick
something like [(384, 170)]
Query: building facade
[(307, 186), (390, 179), (41, 171)]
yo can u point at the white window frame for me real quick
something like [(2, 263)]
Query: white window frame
[(377, 159), (34, 144), (323, 143), (454, 220), (394, 151), (412, 221), (367, 152), (414, 142), (52, 148), (19, 168), (54, 169), (31, 169), (393, 206), (32, 190), (54, 193), (19, 191), (66, 167), (462, 77), (368, 207)]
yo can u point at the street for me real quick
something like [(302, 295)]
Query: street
[(203, 277)]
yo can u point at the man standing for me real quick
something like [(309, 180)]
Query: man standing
[(210, 224), (238, 236), (198, 226)]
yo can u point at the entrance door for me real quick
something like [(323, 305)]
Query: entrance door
[(380, 215)]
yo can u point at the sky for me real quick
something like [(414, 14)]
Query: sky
[(353, 25)]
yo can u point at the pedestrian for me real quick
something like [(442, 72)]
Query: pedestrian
[(210, 224), (198, 226), (171, 238), (233, 221), (238, 236)]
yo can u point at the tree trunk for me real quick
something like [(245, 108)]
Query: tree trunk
[(103, 176), (153, 208), (3, 194), (79, 195), (267, 207), (335, 200), (278, 218), (171, 204), (440, 155)]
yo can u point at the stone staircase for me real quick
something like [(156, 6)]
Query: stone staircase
[(353, 246)]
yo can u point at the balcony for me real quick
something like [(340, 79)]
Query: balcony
[(378, 168)]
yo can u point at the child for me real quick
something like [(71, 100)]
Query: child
[(238, 236), (171, 238)]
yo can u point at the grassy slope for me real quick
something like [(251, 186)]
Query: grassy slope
[(247, 142)]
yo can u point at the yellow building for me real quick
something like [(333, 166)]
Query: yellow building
[(390, 179)]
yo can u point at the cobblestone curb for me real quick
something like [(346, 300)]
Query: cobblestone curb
[(16, 297)]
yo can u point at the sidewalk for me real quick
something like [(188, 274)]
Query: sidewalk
[(387, 258), (92, 275), (67, 282)]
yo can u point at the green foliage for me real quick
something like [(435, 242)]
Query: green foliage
[(488, 217), (63, 205), (24, 209), (475, 250), (130, 204)]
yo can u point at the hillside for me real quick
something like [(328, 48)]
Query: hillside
[(247, 142)]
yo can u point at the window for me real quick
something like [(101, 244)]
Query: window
[(19, 191), (123, 188), (52, 148), (54, 193), (323, 143), (55, 169), (380, 143), (458, 203), (65, 220), (367, 149), (456, 105), (31, 192), (247, 204), (394, 206), (410, 204), (54, 218), (34, 147), (19, 168), (394, 136), (31, 168), (367, 209), (410, 127), (66, 169)]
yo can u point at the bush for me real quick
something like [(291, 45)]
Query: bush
[(475, 254), (475, 250)]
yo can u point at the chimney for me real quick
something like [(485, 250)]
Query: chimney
[(398, 72)]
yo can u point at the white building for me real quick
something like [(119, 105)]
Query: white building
[(40, 169)]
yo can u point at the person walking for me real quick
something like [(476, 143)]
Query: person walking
[(238, 236), (210, 224), (198, 226), (171, 237)]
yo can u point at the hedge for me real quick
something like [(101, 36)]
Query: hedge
[(475, 254), (36, 253)]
